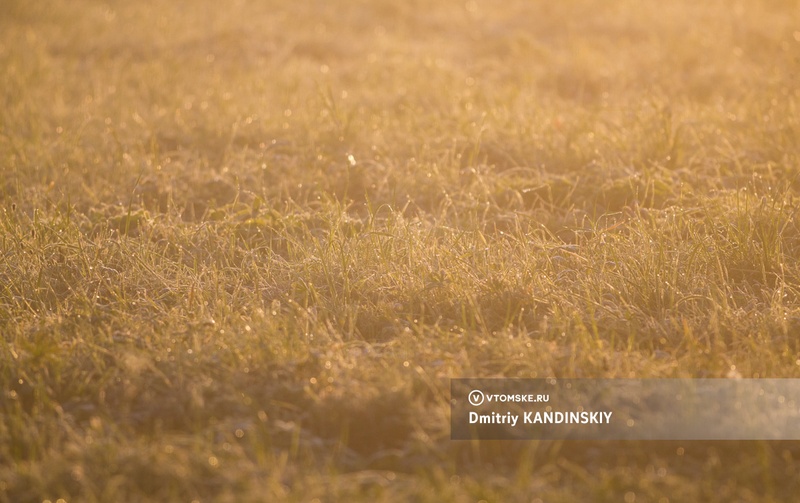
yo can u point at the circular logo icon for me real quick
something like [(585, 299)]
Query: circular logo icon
[(476, 397)]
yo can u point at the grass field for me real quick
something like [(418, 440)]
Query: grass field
[(245, 245)]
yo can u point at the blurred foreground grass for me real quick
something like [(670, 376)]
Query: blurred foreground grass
[(244, 245)]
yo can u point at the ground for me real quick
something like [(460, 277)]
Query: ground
[(245, 245)]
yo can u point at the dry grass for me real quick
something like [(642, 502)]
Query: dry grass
[(245, 245)]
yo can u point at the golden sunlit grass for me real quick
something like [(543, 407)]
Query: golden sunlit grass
[(245, 245)]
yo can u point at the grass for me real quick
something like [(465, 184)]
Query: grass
[(245, 245)]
